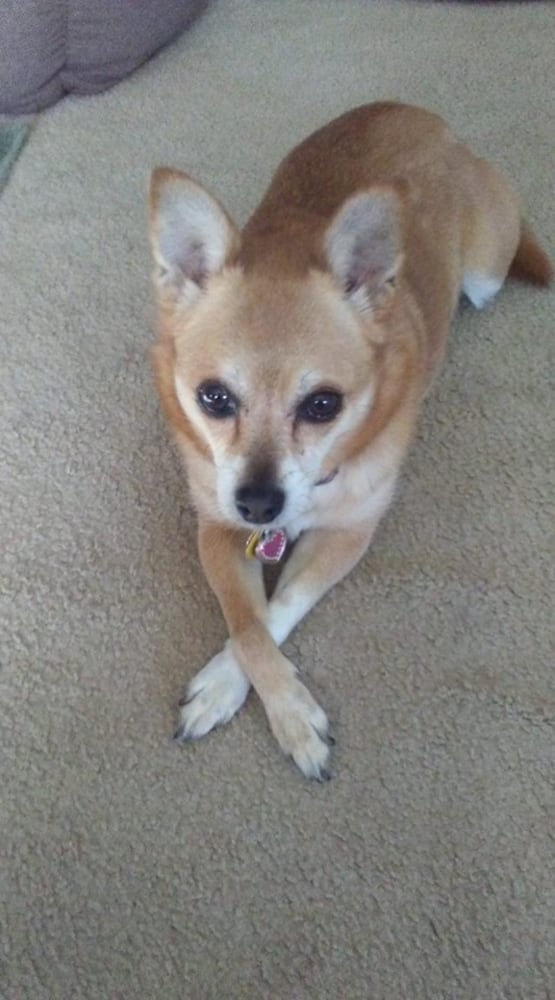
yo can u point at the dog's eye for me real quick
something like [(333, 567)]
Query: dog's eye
[(320, 406), (216, 399)]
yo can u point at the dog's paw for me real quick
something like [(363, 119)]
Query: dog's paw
[(214, 695), (301, 729)]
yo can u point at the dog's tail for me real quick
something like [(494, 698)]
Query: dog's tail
[(531, 262)]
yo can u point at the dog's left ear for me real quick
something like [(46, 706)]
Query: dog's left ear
[(363, 247), (191, 235)]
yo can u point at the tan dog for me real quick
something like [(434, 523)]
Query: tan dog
[(292, 362)]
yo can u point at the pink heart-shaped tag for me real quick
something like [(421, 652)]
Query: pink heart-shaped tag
[(271, 546)]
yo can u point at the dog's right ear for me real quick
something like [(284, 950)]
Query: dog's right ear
[(191, 235)]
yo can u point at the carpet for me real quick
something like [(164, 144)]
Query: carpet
[(132, 869)]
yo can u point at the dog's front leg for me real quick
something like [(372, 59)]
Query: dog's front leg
[(297, 721), (319, 560), (217, 691)]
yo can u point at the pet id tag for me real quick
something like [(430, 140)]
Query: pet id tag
[(268, 546)]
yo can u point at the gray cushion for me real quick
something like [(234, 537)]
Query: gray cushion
[(52, 47)]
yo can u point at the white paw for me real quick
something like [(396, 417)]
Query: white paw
[(301, 729), (480, 288), (214, 695)]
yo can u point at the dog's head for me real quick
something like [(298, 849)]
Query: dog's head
[(273, 377)]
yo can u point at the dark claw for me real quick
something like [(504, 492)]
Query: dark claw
[(324, 776), (330, 740), (179, 735), (186, 699)]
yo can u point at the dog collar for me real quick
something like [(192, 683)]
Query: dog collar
[(327, 479), (268, 545)]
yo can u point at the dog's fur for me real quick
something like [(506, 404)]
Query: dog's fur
[(346, 278)]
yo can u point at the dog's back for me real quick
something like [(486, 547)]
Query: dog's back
[(461, 220)]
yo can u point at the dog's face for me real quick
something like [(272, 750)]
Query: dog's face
[(274, 409), (276, 376)]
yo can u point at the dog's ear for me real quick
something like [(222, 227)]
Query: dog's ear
[(363, 247), (191, 235)]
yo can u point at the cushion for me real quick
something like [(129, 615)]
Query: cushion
[(49, 48)]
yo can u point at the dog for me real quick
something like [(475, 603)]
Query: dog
[(292, 361)]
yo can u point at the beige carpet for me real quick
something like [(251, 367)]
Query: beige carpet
[(133, 869)]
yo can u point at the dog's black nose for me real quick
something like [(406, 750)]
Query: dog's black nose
[(259, 504)]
